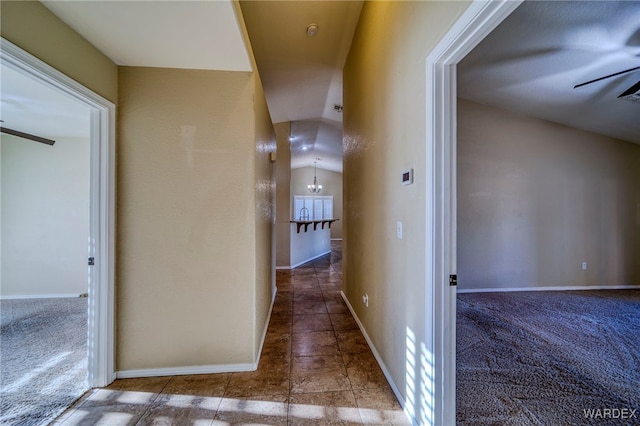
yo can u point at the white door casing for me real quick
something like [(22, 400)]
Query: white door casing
[(100, 339), (480, 18)]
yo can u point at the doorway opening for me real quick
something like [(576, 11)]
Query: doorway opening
[(100, 244), (475, 24), (45, 228)]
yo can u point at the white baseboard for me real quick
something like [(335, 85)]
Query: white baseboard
[(282, 268), (557, 288), (182, 371), (266, 327), (304, 261), (378, 358), (40, 296), (201, 369)]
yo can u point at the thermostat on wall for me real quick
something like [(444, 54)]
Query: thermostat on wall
[(407, 177)]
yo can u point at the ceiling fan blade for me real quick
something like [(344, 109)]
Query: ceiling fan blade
[(632, 93), (27, 136), (606, 76)]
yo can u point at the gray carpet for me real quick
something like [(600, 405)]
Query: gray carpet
[(43, 358), (548, 358)]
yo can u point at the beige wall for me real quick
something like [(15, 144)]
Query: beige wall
[(44, 217), (30, 25), (283, 194), (331, 186), (384, 134), (536, 199), (192, 236), (195, 199), (265, 212)]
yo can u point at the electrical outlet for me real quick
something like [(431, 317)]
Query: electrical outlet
[(399, 229), (584, 266), (365, 299)]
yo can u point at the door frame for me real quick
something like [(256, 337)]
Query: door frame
[(478, 20), (100, 333)]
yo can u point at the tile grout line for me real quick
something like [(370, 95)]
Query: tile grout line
[(291, 284), (342, 354), (150, 406), (224, 395)]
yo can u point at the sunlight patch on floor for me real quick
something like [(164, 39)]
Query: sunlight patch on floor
[(131, 401), (44, 367), (268, 408)]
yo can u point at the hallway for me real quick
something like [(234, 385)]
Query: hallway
[(315, 368)]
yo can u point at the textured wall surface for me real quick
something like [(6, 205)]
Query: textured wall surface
[(384, 134), (265, 214), (536, 199), (187, 237), (283, 197)]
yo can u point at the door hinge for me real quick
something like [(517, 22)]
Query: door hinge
[(453, 280), (91, 261)]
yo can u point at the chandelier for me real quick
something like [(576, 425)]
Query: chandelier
[(314, 188)]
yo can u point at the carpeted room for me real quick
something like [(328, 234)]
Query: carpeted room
[(548, 312), (45, 226), (548, 225)]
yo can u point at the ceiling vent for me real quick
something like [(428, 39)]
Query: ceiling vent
[(632, 94)]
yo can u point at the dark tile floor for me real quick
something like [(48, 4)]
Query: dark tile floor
[(315, 368)]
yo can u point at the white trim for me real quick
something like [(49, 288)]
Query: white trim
[(201, 369), (279, 268), (304, 261), (557, 288), (378, 358), (183, 371), (41, 296), (101, 206), (336, 239), (480, 18), (266, 327)]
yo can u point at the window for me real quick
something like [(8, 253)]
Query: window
[(312, 207)]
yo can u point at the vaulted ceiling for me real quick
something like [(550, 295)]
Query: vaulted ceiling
[(529, 64), (301, 73)]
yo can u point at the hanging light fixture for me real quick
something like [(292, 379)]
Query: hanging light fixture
[(315, 188)]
